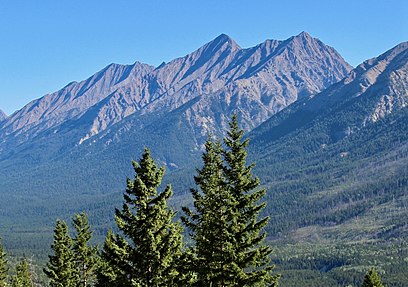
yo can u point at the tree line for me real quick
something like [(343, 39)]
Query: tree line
[(227, 235)]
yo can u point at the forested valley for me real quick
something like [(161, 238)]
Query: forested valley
[(219, 241)]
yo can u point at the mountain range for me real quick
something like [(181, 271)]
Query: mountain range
[(330, 141), (202, 88), (108, 118)]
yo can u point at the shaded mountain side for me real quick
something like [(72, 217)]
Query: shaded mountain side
[(333, 160)]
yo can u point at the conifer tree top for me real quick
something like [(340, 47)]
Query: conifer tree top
[(145, 252), (372, 279)]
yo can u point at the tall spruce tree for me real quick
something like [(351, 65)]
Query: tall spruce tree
[(252, 261), (224, 223), (3, 267), (60, 268), (209, 221), (22, 277), (153, 241), (372, 279), (85, 256)]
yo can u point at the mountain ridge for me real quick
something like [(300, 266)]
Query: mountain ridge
[(264, 78)]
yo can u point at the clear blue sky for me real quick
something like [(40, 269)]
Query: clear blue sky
[(46, 44)]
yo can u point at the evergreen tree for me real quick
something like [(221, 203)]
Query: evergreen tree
[(3, 267), (372, 279), (224, 223), (85, 256), (61, 266), (208, 222), (148, 259), (251, 256), (113, 267), (22, 277)]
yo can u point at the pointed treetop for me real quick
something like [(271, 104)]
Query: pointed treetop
[(372, 279)]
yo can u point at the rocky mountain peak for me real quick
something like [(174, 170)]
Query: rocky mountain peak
[(224, 40), (74, 99), (394, 61), (221, 45), (304, 35)]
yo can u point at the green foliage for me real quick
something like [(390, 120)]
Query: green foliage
[(85, 256), (372, 279), (3, 267), (224, 224), (207, 223), (146, 221), (22, 277), (61, 266), (74, 262)]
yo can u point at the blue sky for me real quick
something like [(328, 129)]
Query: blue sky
[(46, 44)]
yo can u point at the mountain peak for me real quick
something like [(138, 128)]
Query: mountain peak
[(304, 38), (224, 39), (303, 34)]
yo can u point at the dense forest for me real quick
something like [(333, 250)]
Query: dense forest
[(222, 241)]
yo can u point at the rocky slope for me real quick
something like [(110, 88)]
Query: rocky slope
[(75, 99)]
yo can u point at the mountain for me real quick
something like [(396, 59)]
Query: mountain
[(71, 150), (196, 92), (2, 115), (336, 162)]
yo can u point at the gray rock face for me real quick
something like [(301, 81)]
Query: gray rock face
[(74, 99), (208, 85), (262, 80)]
